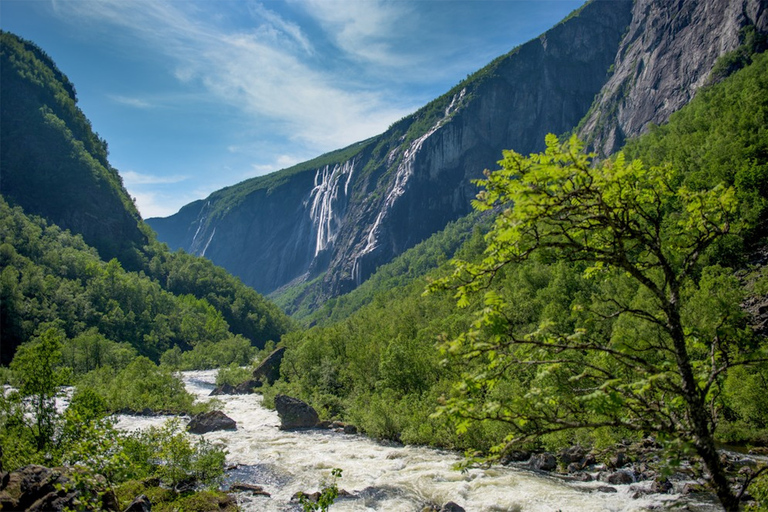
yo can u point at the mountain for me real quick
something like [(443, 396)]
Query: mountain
[(53, 164), (55, 178), (325, 225), (667, 55)]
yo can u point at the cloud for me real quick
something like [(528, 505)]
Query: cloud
[(131, 102), (280, 162), (265, 70), (365, 30), (131, 178)]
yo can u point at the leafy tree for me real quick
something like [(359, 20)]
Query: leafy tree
[(37, 366), (650, 351)]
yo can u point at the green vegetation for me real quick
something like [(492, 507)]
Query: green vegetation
[(84, 438), (651, 314), (648, 350), (326, 498), (51, 277)]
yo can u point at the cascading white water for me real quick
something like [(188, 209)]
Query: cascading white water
[(381, 477)]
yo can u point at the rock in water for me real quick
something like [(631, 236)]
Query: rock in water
[(269, 369), (210, 421), (294, 413)]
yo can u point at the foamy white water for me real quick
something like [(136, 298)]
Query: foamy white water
[(381, 477)]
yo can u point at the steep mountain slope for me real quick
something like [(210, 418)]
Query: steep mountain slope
[(54, 166), (350, 211), (666, 56), (52, 163)]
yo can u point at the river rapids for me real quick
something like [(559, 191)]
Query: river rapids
[(380, 476)]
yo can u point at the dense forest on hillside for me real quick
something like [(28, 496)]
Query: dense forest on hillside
[(56, 167), (380, 368)]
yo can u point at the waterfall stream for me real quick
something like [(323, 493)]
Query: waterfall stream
[(380, 476)]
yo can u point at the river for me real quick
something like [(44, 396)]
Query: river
[(380, 476)]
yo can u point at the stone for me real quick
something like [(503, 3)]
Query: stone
[(269, 369), (295, 413), (618, 460), (605, 488), (451, 507), (256, 490), (620, 478), (514, 456), (661, 486), (210, 422), (140, 504), (543, 461)]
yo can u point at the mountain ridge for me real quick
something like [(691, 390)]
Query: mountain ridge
[(392, 191)]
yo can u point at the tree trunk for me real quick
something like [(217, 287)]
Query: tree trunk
[(697, 412)]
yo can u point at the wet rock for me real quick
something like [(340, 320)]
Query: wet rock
[(514, 456), (619, 478), (295, 413), (574, 454), (244, 388), (269, 369), (543, 461), (210, 422), (661, 486), (451, 507), (618, 460), (693, 488), (256, 490), (140, 504), (605, 488), (582, 477), (224, 389)]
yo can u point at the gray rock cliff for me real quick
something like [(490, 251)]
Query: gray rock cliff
[(665, 57), (358, 208)]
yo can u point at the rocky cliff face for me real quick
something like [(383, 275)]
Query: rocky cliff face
[(666, 56), (615, 65), (352, 213)]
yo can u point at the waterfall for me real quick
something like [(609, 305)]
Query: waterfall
[(324, 197)]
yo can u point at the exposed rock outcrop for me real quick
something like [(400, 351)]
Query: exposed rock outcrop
[(210, 421), (38, 488), (269, 369), (665, 57), (295, 414)]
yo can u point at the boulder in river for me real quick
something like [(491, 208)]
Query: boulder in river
[(543, 461), (295, 413), (269, 369), (210, 422)]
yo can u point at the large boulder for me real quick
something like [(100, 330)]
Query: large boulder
[(37, 488), (210, 421), (294, 413), (269, 369)]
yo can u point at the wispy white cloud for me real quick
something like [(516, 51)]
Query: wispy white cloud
[(255, 70), (365, 30), (131, 102), (131, 178), (280, 162)]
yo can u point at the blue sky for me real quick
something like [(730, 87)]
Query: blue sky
[(193, 95)]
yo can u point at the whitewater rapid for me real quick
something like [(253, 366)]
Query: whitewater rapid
[(381, 477)]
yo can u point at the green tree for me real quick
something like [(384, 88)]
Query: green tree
[(37, 366), (637, 356)]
